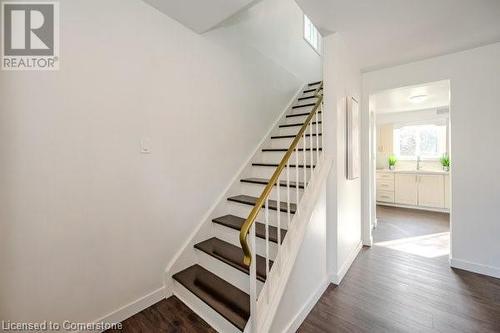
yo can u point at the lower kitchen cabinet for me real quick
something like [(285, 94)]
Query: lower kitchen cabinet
[(431, 191), (417, 190), (406, 189)]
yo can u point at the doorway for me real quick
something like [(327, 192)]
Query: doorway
[(412, 165)]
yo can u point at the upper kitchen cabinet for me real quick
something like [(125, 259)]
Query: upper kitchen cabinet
[(385, 138)]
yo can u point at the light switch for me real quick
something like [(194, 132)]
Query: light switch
[(146, 147)]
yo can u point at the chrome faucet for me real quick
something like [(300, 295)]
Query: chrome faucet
[(418, 162)]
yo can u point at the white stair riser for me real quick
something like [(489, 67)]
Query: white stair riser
[(295, 120), (256, 190), (295, 129), (202, 309), (286, 142), (308, 94), (309, 100), (301, 110), (232, 275), (243, 211), (233, 237), (276, 157), (267, 172)]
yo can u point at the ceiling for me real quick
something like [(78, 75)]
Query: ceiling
[(398, 100), (383, 33), (200, 15)]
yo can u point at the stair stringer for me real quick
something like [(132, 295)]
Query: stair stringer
[(274, 288), (186, 256)]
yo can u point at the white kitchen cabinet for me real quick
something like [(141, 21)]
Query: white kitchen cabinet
[(384, 140), (431, 191), (385, 196), (385, 187), (406, 189), (422, 190)]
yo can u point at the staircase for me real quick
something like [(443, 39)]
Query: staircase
[(212, 276)]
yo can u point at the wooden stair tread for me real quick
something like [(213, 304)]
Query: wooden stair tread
[(276, 165), (251, 201), (298, 124), (236, 222), (291, 136), (308, 91), (314, 83), (299, 114), (227, 300), (286, 149), (232, 255), (263, 181)]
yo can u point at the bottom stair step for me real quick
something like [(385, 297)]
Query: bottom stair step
[(232, 255), (229, 301)]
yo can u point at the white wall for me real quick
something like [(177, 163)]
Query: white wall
[(88, 223), (342, 78), (474, 78), (309, 277), (200, 15), (274, 29)]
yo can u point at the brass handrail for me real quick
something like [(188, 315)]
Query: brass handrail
[(245, 228)]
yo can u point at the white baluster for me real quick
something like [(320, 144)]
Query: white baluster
[(297, 177), (267, 242), (253, 280), (311, 145), (278, 212), (317, 135), (322, 124), (289, 217), (305, 159)]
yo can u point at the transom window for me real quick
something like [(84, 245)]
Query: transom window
[(426, 141), (311, 34)]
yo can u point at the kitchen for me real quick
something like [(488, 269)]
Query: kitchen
[(413, 165)]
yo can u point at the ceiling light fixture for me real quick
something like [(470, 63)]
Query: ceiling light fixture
[(418, 98)]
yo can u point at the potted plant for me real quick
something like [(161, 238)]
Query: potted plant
[(392, 162), (445, 162)]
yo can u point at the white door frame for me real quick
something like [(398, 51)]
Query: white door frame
[(368, 158)]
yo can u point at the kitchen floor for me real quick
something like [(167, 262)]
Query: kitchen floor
[(413, 231), (398, 223)]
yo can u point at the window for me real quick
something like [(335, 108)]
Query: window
[(311, 34), (427, 141)]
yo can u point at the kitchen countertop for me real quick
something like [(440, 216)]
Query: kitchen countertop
[(420, 172)]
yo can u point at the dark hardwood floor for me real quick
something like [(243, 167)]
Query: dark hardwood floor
[(402, 284), (398, 287), (168, 315)]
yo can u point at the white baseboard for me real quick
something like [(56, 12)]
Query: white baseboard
[(430, 209), (337, 278), (299, 318), (476, 268), (134, 307)]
